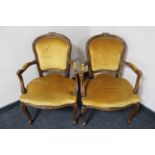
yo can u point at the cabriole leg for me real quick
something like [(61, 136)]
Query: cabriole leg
[(84, 121), (75, 110), (132, 113), (26, 112)]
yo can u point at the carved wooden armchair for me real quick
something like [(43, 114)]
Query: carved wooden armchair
[(51, 91), (108, 90)]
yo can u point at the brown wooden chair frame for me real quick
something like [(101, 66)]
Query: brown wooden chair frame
[(117, 73), (67, 74)]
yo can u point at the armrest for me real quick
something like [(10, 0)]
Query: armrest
[(82, 81), (139, 75), (75, 68), (82, 85), (20, 72)]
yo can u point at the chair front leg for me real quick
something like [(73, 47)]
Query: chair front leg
[(26, 112), (74, 117), (84, 116), (133, 112)]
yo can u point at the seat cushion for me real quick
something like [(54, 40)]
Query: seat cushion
[(51, 90), (106, 91)]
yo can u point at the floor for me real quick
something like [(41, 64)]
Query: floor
[(12, 118)]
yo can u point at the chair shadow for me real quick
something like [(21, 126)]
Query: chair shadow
[(91, 115), (38, 111)]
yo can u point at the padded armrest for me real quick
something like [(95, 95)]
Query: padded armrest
[(75, 68), (134, 68), (25, 66), (19, 74), (139, 75), (82, 85)]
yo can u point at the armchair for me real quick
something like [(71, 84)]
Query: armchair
[(105, 89), (53, 90)]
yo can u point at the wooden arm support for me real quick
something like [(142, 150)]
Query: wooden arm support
[(82, 83), (139, 75), (20, 72), (75, 68)]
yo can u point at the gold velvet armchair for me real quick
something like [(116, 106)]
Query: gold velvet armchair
[(51, 90), (105, 89)]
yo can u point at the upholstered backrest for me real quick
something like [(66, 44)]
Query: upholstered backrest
[(52, 51), (105, 52)]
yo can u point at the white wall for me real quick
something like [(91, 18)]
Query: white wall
[(16, 49)]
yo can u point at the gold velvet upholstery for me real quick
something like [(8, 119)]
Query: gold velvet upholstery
[(52, 90), (52, 53), (106, 91), (105, 53)]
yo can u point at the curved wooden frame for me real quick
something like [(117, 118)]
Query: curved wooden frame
[(67, 71), (135, 106)]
